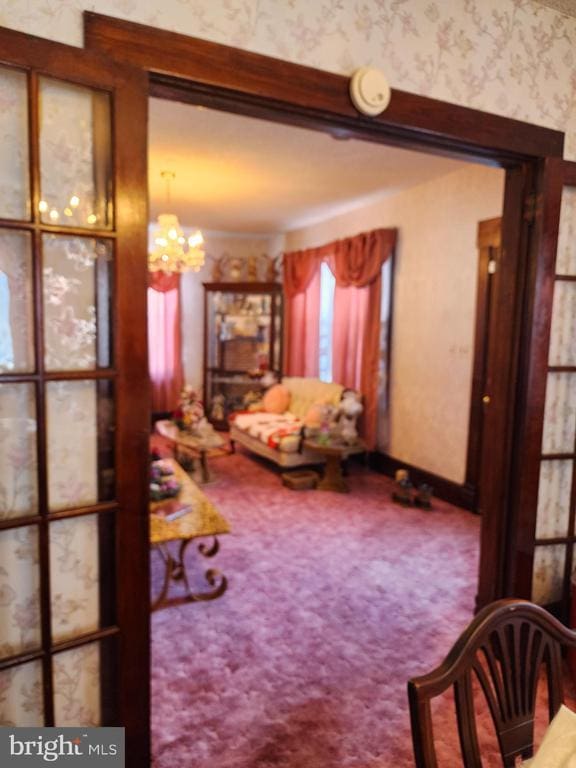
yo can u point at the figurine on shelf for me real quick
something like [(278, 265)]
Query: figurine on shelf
[(218, 267), (252, 268), (217, 411), (273, 265)]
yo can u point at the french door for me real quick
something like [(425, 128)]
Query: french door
[(74, 622)]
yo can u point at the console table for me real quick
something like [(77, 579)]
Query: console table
[(203, 521)]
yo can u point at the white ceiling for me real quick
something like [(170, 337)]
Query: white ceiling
[(239, 174)]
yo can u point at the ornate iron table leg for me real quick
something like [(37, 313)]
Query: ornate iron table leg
[(175, 570)]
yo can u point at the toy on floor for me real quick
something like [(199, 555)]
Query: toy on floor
[(406, 495)]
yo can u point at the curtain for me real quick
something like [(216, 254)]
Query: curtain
[(164, 340), (302, 312), (356, 263)]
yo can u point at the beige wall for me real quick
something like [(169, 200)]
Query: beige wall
[(434, 308)]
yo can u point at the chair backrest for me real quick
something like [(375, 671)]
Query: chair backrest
[(505, 647)]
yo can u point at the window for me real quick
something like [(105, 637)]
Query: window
[(327, 285)]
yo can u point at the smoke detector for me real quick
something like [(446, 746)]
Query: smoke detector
[(369, 91)]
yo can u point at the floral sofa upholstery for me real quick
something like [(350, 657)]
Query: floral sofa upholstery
[(278, 436)]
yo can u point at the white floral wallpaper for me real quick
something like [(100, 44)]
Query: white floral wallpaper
[(554, 499), (77, 686), (566, 255), (72, 444), (512, 57), (548, 574), (560, 413), (19, 591), (71, 162), (21, 701), (16, 333), (18, 484), (14, 178), (69, 284), (74, 577)]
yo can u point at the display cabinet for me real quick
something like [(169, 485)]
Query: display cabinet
[(242, 343)]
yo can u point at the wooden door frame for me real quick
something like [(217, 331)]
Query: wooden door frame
[(199, 72), (488, 241), (123, 553), (555, 174)]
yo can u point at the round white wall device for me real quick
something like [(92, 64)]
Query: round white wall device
[(369, 91)]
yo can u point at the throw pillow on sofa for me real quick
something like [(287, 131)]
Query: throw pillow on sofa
[(276, 399)]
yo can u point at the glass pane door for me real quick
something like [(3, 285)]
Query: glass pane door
[(66, 413)]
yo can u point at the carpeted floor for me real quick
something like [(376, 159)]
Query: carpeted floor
[(334, 602)]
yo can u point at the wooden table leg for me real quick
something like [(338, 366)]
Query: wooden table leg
[(333, 479)]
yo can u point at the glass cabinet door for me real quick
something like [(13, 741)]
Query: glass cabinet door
[(242, 344)]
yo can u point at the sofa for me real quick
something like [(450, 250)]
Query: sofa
[(277, 433)]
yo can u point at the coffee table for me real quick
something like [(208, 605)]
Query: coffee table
[(203, 521), (201, 446), (334, 453)]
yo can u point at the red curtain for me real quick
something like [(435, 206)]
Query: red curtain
[(302, 312), (356, 263), (164, 340)]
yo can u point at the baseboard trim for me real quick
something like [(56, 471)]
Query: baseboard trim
[(461, 495)]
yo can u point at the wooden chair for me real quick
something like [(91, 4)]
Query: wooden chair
[(506, 646)]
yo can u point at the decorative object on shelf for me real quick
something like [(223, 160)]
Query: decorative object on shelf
[(163, 484), (217, 410), (189, 415), (242, 343), (172, 252), (255, 268)]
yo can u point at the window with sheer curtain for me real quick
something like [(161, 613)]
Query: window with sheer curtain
[(334, 316)]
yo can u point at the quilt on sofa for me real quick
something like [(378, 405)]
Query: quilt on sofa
[(278, 436), (276, 430)]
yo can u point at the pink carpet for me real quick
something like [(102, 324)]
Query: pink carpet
[(334, 602)]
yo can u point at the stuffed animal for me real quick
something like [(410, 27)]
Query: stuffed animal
[(348, 411)]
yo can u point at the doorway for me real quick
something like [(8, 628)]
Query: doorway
[(209, 74), (249, 627)]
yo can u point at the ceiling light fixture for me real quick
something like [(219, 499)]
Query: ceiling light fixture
[(171, 251)]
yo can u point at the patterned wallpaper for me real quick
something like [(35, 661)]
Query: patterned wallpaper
[(512, 57)]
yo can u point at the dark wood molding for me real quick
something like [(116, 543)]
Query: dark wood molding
[(133, 413), (126, 551), (241, 78), (489, 241), (535, 342), (461, 495), (501, 386)]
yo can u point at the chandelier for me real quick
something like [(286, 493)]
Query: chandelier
[(171, 251)]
